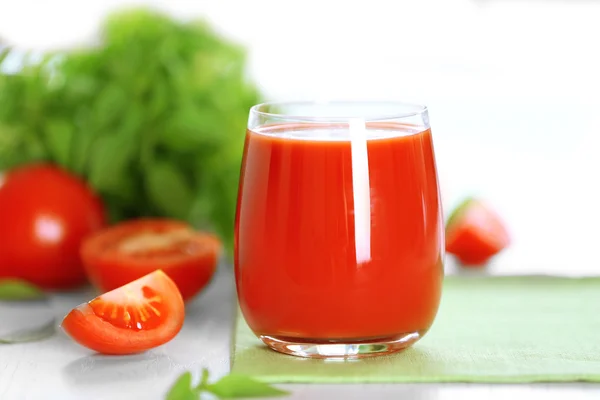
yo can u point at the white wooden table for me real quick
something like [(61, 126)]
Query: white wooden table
[(57, 368)]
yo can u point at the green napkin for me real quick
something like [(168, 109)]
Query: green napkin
[(501, 329)]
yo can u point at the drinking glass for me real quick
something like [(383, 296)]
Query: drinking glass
[(339, 235)]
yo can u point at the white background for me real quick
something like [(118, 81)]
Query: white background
[(512, 86)]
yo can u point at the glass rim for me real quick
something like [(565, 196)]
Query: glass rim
[(415, 110)]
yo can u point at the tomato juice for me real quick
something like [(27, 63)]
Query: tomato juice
[(339, 237)]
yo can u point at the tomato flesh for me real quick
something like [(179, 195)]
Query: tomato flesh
[(129, 250), (137, 317), (126, 309), (475, 234)]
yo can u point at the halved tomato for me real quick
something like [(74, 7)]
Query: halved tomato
[(122, 253), (475, 233), (137, 317)]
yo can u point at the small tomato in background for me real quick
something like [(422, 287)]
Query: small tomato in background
[(129, 250), (45, 212), (475, 233)]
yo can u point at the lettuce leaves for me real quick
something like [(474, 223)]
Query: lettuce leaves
[(153, 116)]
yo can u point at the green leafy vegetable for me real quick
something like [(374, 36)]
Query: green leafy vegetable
[(230, 386), (16, 290), (153, 116), (169, 189), (183, 389)]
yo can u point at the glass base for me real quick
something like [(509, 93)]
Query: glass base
[(346, 349)]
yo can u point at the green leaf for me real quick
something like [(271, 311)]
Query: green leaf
[(458, 210), (109, 106), (231, 386), (33, 149), (182, 389), (191, 129), (59, 134), (109, 165), (15, 290), (204, 380), (80, 150), (10, 143), (169, 189)]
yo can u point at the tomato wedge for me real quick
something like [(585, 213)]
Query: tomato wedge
[(122, 253), (137, 317), (475, 233)]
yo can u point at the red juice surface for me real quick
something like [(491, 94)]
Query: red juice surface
[(296, 260)]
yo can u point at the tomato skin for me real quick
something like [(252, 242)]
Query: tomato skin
[(45, 212), (475, 234), (108, 268), (471, 249), (85, 327)]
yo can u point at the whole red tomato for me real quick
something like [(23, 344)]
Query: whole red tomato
[(45, 212), (475, 233)]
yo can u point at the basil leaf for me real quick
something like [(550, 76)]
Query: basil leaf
[(231, 386), (182, 389), (81, 146), (169, 189), (108, 106), (111, 157), (16, 290), (204, 380), (59, 134)]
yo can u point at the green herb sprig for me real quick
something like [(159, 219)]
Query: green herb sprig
[(19, 290), (229, 386)]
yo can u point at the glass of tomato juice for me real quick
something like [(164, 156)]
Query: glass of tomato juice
[(339, 235)]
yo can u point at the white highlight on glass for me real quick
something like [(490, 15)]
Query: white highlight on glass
[(361, 189)]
